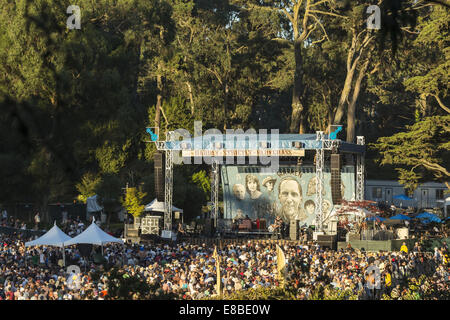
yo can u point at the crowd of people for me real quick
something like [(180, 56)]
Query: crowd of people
[(187, 271)]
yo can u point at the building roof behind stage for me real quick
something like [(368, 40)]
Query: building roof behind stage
[(257, 141)]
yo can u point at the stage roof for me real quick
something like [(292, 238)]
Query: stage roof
[(259, 141)]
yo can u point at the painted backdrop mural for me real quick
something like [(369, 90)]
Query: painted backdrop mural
[(290, 193)]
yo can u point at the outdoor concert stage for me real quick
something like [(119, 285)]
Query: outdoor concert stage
[(313, 173)]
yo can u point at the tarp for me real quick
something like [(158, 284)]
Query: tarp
[(400, 217), (92, 204), (93, 235), (158, 206), (375, 218), (402, 197), (427, 217), (54, 237)]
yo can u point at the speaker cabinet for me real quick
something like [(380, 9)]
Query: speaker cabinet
[(293, 229), (159, 175), (209, 227), (336, 195), (327, 241)]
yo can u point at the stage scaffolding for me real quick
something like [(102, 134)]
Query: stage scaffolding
[(320, 142)]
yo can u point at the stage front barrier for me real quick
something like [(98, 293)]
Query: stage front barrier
[(220, 243), (390, 245), (373, 235)]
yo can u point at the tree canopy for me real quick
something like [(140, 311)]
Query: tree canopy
[(76, 102)]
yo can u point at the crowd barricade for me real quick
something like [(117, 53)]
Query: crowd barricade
[(238, 241), (381, 235), (27, 233)]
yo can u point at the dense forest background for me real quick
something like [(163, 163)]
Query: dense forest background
[(75, 103)]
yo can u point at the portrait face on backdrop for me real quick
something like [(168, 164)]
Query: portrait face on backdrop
[(252, 185), (239, 191), (269, 183), (312, 187), (239, 214), (326, 206), (290, 196), (310, 207)]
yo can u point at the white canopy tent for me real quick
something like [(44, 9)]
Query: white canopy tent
[(93, 235), (158, 206), (54, 237), (351, 211)]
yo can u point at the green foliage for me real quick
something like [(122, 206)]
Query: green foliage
[(123, 286), (201, 179), (424, 149), (76, 102), (258, 294), (87, 186), (133, 201), (109, 191), (290, 293)]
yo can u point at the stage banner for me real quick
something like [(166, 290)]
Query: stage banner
[(290, 193)]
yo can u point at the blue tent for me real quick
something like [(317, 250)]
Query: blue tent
[(435, 219), (426, 215), (375, 218), (402, 197), (400, 217)]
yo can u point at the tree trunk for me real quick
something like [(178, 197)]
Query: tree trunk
[(44, 210), (351, 66), (159, 86), (225, 105), (297, 116), (351, 115), (191, 97)]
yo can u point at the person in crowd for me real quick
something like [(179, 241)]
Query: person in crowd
[(187, 271)]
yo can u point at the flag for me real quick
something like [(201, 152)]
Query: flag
[(281, 265), (218, 279)]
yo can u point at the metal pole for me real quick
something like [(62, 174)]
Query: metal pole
[(64, 256), (319, 180), (168, 188), (215, 191), (360, 171)]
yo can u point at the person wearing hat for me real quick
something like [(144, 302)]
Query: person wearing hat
[(269, 183)]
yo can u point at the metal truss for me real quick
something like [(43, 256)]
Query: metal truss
[(320, 159), (360, 171), (168, 189), (215, 179)]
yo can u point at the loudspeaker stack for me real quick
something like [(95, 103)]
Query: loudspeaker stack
[(327, 241), (336, 178), (159, 175), (293, 229)]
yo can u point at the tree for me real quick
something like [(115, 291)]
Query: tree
[(421, 151), (87, 186), (433, 38), (304, 18), (133, 201)]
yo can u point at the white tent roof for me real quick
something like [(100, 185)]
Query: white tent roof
[(356, 211), (92, 205), (93, 235), (158, 206), (53, 237)]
